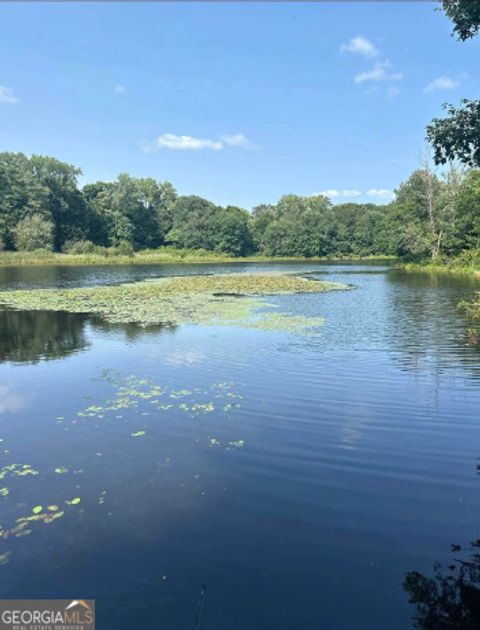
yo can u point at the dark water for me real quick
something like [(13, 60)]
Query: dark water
[(297, 477)]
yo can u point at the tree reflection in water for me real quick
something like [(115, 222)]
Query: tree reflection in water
[(33, 336), (450, 600)]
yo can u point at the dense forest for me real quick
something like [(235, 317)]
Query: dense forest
[(42, 207)]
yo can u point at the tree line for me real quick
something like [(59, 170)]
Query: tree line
[(43, 207)]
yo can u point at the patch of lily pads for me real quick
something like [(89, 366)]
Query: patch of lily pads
[(223, 299), (144, 397), (26, 508)]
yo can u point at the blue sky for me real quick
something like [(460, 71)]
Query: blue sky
[(238, 103)]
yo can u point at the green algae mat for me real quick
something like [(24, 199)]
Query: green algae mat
[(224, 299)]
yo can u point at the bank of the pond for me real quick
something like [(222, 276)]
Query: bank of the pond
[(466, 263), (224, 299), (443, 268), (164, 255)]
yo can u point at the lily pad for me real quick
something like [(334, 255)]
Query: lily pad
[(74, 501)]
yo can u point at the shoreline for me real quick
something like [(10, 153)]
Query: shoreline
[(164, 256), (444, 268)]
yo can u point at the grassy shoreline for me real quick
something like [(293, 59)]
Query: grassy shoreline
[(165, 255), (448, 267)]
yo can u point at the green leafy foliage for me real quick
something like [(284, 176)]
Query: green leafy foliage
[(32, 233), (142, 219), (457, 136), (465, 15)]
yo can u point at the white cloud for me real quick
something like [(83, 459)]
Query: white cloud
[(190, 143), (442, 83), (380, 192), (350, 193), (185, 143), (238, 140), (360, 45), (119, 89), (381, 71), (382, 68), (331, 193), (7, 95)]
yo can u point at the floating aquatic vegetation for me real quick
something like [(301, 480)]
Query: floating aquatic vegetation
[(17, 470), (285, 323), (207, 407), (132, 393), (233, 444), (23, 524), (201, 299), (74, 501), (237, 444)]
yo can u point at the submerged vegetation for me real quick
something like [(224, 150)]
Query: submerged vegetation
[(223, 299)]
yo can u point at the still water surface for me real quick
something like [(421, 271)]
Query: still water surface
[(297, 477)]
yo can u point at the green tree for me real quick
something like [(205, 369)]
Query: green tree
[(465, 14), (130, 210), (419, 215), (21, 195), (457, 136), (33, 233), (467, 205), (193, 225), (65, 203), (232, 231)]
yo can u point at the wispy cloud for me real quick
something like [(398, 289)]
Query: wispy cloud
[(332, 193), (350, 193), (380, 192), (360, 45), (7, 95), (238, 140), (381, 71), (176, 142), (119, 88), (443, 82)]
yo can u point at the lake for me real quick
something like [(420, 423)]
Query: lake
[(298, 477)]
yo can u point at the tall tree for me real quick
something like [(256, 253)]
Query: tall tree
[(21, 195), (64, 203)]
